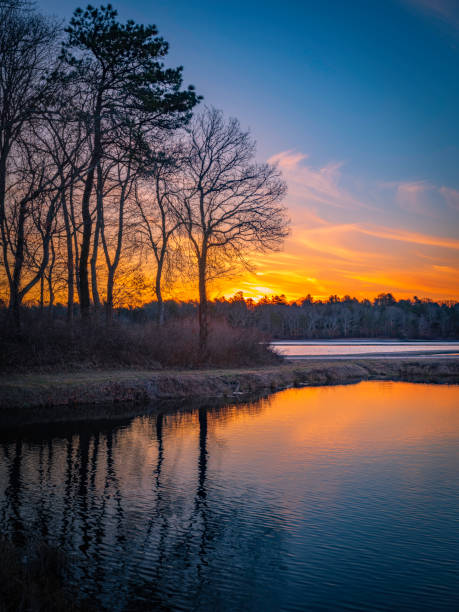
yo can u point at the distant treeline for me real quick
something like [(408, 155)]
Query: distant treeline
[(347, 317), (384, 317)]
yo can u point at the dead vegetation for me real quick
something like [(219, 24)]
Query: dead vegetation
[(46, 345)]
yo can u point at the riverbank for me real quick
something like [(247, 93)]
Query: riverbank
[(98, 394)]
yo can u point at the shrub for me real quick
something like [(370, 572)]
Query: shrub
[(49, 344)]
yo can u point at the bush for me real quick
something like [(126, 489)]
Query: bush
[(46, 344)]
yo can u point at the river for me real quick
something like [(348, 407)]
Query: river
[(364, 348), (326, 498)]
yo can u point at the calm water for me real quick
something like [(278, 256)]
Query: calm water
[(358, 348), (331, 498)]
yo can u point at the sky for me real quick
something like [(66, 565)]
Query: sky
[(357, 102)]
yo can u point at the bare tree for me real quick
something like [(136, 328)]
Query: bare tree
[(159, 223), (229, 205), (63, 138), (121, 181), (26, 60), (33, 198)]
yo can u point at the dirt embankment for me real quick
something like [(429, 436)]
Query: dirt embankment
[(105, 394)]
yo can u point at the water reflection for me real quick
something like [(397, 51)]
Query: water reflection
[(319, 498)]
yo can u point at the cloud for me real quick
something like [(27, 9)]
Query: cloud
[(411, 237), (421, 197), (451, 196), (412, 196), (445, 10), (315, 185), (345, 240)]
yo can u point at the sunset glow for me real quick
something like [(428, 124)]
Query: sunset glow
[(341, 243)]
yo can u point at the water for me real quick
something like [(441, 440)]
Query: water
[(298, 349), (328, 498)]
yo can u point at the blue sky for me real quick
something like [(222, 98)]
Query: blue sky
[(359, 98), (372, 83)]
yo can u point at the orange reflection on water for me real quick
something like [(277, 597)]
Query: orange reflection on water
[(383, 414), (311, 439), (309, 427)]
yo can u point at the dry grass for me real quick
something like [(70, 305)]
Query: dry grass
[(99, 394), (43, 345)]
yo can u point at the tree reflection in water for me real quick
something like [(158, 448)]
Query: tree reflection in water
[(138, 527)]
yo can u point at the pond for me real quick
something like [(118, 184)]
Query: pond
[(322, 498), (300, 349)]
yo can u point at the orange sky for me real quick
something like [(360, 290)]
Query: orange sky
[(347, 237), (358, 239)]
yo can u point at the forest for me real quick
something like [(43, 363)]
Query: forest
[(383, 317), (334, 318)]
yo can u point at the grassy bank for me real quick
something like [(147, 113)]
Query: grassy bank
[(44, 397)]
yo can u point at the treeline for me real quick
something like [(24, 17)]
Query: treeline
[(383, 317), (104, 169)]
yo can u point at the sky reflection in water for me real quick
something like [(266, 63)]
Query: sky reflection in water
[(316, 498)]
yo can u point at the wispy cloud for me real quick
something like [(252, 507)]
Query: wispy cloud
[(421, 197), (411, 237), (344, 240), (451, 196), (412, 196), (320, 185), (446, 10)]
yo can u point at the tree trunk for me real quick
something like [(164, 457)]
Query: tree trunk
[(95, 290), (85, 243), (159, 295), (70, 286), (4, 240), (86, 213), (42, 293), (16, 293), (15, 297), (76, 257), (203, 319), (109, 301), (51, 294), (112, 267), (50, 280)]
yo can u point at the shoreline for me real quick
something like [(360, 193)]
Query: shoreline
[(106, 394)]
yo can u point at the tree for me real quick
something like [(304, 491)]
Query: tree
[(154, 199), (26, 45), (33, 200), (229, 205), (63, 138), (115, 189), (118, 68)]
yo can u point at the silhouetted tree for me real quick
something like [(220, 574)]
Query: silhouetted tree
[(229, 205), (122, 79), (154, 196), (26, 45)]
